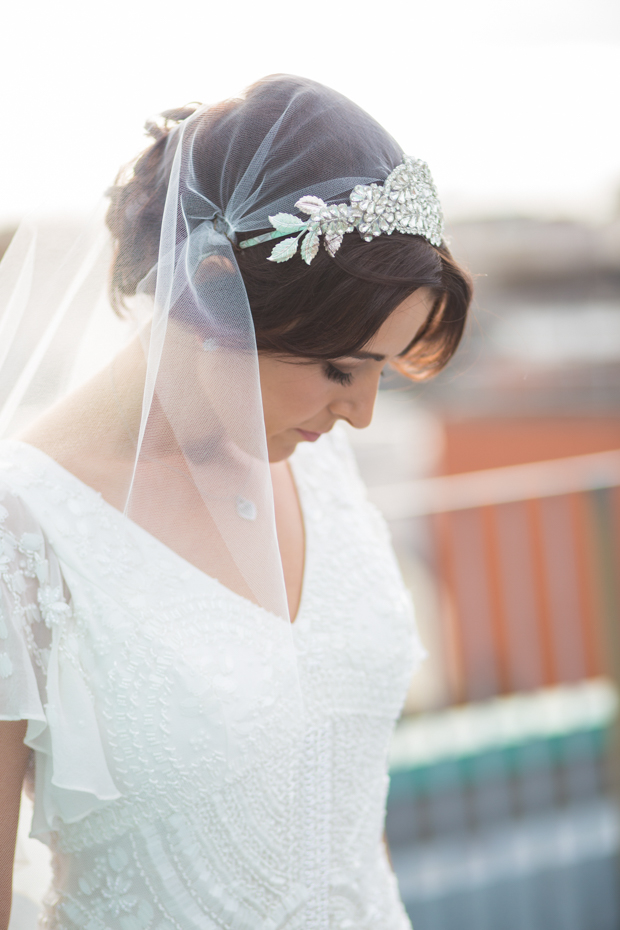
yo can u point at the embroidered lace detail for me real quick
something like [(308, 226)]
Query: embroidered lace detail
[(26, 606), (193, 796)]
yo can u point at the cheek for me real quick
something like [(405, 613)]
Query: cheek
[(293, 399)]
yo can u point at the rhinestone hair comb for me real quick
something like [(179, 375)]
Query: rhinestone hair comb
[(407, 202)]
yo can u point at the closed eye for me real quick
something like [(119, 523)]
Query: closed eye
[(336, 374)]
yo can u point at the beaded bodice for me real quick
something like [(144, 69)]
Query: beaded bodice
[(176, 785)]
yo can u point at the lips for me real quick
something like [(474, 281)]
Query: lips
[(309, 437)]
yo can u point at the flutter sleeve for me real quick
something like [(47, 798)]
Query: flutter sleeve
[(41, 680), (29, 582)]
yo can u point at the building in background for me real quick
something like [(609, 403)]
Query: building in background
[(503, 806)]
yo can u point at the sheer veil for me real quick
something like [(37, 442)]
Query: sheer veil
[(197, 469), (199, 452), (225, 171)]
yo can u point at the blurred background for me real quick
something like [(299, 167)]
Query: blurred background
[(500, 479)]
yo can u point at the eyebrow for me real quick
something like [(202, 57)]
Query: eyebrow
[(373, 355)]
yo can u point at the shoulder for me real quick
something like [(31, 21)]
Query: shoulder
[(17, 511), (16, 517), (35, 482), (21, 466)]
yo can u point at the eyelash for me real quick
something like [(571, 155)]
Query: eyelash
[(335, 374)]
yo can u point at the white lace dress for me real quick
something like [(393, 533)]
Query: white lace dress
[(168, 779)]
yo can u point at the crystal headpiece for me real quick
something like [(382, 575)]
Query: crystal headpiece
[(406, 202)]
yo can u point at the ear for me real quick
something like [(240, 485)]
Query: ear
[(213, 267)]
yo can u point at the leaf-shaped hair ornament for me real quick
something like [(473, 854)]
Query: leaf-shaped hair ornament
[(333, 241), (310, 204), (284, 250), (310, 244), (287, 223)]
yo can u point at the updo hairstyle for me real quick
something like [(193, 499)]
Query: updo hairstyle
[(326, 310)]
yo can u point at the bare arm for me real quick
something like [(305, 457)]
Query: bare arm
[(13, 762), (387, 849)]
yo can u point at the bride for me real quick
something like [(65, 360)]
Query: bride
[(205, 641)]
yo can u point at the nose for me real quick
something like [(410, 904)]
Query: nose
[(356, 403)]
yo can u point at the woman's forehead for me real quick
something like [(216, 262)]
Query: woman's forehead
[(396, 332)]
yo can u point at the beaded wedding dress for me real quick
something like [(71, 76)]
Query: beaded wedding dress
[(171, 782)]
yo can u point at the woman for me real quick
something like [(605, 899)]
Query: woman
[(206, 640)]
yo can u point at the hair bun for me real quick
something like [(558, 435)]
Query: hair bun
[(136, 205), (158, 128), (178, 114)]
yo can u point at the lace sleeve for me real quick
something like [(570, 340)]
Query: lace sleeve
[(41, 677), (32, 596)]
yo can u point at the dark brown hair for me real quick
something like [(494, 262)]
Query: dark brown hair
[(328, 309)]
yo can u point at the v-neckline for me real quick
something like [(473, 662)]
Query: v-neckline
[(172, 554)]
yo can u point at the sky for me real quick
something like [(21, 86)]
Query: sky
[(514, 105)]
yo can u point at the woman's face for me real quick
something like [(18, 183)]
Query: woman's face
[(303, 399)]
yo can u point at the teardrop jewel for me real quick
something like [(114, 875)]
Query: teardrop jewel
[(245, 508)]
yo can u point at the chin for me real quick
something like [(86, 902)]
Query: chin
[(281, 448)]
